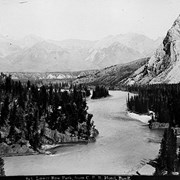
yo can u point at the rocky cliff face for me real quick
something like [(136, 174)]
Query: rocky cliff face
[(164, 65)]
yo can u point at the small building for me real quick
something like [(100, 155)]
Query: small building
[(177, 131)]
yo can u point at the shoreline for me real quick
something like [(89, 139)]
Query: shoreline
[(140, 117), (19, 154), (101, 97), (63, 144), (46, 148), (149, 167)]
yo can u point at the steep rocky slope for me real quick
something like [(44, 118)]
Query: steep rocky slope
[(164, 65)]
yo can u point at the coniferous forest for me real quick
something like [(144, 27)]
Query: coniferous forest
[(168, 160), (32, 115), (2, 173), (99, 92), (164, 101)]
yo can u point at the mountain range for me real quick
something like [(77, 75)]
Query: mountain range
[(35, 54), (162, 67), (111, 57)]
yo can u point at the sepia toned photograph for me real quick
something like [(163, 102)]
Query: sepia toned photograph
[(90, 89)]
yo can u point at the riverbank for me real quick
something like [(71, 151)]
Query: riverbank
[(25, 150), (48, 146), (149, 167), (103, 97), (141, 117), (46, 149), (19, 154)]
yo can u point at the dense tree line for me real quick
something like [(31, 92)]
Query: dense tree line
[(86, 91), (167, 160), (2, 173), (25, 107), (163, 99), (99, 92)]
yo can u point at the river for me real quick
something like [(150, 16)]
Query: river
[(122, 146)]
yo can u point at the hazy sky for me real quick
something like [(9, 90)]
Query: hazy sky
[(86, 19)]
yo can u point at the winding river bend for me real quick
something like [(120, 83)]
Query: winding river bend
[(121, 147)]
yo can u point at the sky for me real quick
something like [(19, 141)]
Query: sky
[(86, 19)]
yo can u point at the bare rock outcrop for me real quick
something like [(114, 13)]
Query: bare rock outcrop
[(164, 65)]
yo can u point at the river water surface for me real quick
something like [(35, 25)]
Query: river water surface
[(121, 147)]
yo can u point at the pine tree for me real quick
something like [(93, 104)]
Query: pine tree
[(2, 173), (4, 111), (171, 151), (162, 160)]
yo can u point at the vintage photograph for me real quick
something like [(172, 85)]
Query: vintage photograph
[(90, 87)]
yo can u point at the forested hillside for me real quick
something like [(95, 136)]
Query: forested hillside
[(112, 76), (34, 115)]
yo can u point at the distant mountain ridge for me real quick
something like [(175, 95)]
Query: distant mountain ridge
[(35, 54), (28, 41), (49, 75), (121, 49)]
